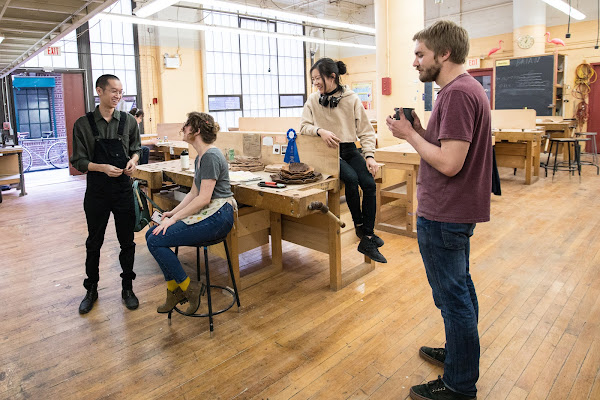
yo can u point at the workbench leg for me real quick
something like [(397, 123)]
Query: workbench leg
[(411, 201), (528, 162), (335, 242), (536, 157), (21, 175), (276, 248)]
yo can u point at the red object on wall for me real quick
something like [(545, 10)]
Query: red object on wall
[(386, 86), (155, 100)]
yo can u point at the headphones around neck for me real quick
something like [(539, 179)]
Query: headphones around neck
[(327, 99)]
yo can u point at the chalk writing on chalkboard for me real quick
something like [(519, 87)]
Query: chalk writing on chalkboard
[(526, 82)]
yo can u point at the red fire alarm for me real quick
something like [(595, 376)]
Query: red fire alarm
[(154, 100), (386, 86)]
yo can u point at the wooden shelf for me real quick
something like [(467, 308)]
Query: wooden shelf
[(8, 179)]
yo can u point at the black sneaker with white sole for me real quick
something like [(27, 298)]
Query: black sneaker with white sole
[(436, 390)]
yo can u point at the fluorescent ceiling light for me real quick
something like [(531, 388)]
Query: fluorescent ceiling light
[(564, 7), (202, 27), (158, 5), (153, 7)]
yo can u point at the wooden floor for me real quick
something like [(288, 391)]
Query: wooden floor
[(536, 267)]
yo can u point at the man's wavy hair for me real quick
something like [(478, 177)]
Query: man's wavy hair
[(445, 36)]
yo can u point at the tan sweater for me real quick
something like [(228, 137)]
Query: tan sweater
[(348, 121)]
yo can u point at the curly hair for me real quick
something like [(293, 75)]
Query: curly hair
[(203, 124)]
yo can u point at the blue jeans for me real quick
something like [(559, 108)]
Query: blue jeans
[(445, 249), (214, 227)]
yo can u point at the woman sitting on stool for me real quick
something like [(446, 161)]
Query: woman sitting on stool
[(205, 214)]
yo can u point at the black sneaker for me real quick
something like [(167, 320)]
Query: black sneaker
[(378, 241), (434, 355), (131, 302), (436, 390), (368, 247), (88, 301), (360, 232)]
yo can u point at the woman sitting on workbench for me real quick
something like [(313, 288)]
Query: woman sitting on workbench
[(205, 214), (336, 114)]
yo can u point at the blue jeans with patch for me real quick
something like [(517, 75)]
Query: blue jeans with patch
[(214, 227), (445, 250)]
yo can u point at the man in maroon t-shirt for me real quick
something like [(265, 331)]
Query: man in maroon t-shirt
[(454, 186)]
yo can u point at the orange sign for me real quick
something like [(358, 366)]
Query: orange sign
[(53, 51)]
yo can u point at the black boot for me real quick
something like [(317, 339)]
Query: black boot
[(131, 302), (368, 247), (88, 301)]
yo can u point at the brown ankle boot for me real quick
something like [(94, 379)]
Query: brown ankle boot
[(173, 298), (192, 294)]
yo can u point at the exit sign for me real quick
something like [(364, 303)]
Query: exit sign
[(53, 51), (473, 63)]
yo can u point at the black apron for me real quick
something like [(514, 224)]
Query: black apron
[(108, 151)]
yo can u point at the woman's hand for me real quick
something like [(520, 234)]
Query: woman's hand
[(167, 214), (372, 166), (329, 138), (164, 225)]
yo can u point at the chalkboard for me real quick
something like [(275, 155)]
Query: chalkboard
[(525, 82)]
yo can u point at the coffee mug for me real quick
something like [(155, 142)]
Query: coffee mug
[(407, 114)]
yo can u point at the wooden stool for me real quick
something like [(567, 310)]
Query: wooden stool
[(234, 292), (570, 166), (594, 152)]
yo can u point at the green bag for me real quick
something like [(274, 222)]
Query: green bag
[(142, 210)]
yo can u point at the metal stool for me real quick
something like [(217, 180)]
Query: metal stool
[(594, 153), (234, 292), (571, 166)]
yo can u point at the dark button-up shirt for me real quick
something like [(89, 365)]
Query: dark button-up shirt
[(84, 142)]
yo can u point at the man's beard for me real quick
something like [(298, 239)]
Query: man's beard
[(430, 74)]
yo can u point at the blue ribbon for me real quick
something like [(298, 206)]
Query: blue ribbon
[(291, 154)]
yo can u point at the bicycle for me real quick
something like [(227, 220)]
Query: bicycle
[(55, 155)]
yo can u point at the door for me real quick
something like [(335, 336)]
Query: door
[(484, 76), (74, 100), (593, 124)]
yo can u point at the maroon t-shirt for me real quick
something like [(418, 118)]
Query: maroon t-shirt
[(461, 112)]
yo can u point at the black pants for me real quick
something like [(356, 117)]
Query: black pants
[(354, 173), (145, 155), (100, 200)]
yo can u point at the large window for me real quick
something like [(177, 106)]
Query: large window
[(68, 57), (112, 48), (34, 110), (253, 76)]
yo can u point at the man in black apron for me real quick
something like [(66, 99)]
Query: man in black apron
[(106, 146)]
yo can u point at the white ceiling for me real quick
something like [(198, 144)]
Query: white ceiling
[(28, 25)]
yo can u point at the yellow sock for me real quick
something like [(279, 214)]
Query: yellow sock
[(172, 285), (184, 285)]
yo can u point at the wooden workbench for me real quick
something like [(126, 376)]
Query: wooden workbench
[(278, 214), (11, 167), (171, 148), (557, 129), (519, 148), (405, 158)]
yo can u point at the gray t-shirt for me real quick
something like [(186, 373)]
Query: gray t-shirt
[(213, 165)]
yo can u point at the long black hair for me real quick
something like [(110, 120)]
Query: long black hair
[(327, 67)]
